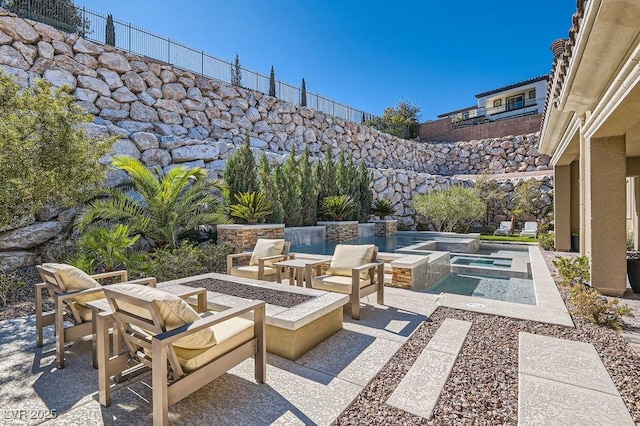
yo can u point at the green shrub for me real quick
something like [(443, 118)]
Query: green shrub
[(573, 270), (597, 308), (451, 208), (240, 172), (630, 242), (251, 206), (108, 249), (382, 208), (338, 207), (187, 260), (546, 241)]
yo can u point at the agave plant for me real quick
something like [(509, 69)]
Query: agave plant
[(162, 208), (251, 206), (338, 207), (109, 247), (382, 208)]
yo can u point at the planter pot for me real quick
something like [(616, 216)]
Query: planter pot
[(633, 272), (575, 243)]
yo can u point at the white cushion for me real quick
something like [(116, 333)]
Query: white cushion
[(336, 283), (229, 335), (75, 279), (174, 312), (346, 257), (266, 248)]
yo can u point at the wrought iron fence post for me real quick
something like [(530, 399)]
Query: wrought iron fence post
[(129, 24), (168, 50), (202, 62)]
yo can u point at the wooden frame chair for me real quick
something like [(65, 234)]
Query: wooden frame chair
[(262, 271), (359, 287), (66, 308), (151, 344)]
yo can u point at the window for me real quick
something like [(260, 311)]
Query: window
[(515, 102), (497, 103), (532, 94), (465, 115)]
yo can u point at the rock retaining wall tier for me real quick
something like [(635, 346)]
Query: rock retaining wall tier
[(167, 117)]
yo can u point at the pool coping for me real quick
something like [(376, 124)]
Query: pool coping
[(549, 307)]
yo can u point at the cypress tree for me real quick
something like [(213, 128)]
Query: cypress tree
[(240, 172), (303, 94), (289, 188), (236, 72), (272, 83), (110, 31), (268, 186), (308, 191), (342, 176), (365, 194)]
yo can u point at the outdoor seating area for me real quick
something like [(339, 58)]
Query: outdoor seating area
[(185, 241)]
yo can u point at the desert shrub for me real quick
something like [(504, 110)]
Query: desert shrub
[(597, 308), (452, 208), (546, 241), (573, 270), (187, 260)]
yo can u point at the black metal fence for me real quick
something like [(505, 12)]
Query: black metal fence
[(92, 25)]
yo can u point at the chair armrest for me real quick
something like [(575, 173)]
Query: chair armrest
[(366, 266), (124, 275), (230, 258), (236, 255), (74, 294), (148, 281), (194, 292), (171, 336)]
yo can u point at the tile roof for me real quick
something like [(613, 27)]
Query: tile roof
[(512, 86), (562, 49)]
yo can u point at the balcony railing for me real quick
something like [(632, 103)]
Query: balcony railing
[(484, 115)]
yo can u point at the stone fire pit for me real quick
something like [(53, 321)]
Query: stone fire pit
[(298, 319)]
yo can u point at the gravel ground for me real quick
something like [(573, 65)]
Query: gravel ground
[(22, 296), (483, 386), (273, 297)]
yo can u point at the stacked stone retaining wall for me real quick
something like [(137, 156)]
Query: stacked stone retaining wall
[(167, 117)]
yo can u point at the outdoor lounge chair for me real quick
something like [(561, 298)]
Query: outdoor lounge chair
[(353, 270), (260, 266), (71, 289), (503, 229), (530, 229), (185, 350)]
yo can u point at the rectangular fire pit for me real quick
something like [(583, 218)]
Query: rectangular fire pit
[(298, 319)]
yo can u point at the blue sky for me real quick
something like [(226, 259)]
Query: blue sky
[(368, 54)]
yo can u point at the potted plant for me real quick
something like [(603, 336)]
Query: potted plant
[(633, 270), (251, 206), (382, 208)]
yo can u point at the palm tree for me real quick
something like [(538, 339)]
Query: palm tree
[(159, 207)]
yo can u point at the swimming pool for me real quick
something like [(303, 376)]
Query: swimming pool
[(388, 244), (485, 262), (516, 290)]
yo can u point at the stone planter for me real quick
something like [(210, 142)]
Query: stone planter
[(241, 238), (385, 227), (341, 231)]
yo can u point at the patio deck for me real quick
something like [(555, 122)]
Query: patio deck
[(314, 389)]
